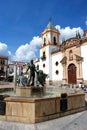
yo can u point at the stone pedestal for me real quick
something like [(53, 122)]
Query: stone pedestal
[(30, 91)]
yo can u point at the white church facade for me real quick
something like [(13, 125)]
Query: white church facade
[(65, 63)]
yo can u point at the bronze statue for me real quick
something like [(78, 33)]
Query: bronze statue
[(41, 77), (31, 66), (30, 81)]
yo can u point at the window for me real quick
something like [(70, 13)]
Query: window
[(54, 40), (44, 41), (56, 63), (2, 62), (57, 72), (70, 55), (44, 54), (43, 65)]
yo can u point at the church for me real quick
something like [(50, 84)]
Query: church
[(66, 62)]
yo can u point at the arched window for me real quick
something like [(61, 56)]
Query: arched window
[(43, 65), (44, 41), (44, 54), (54, 40), (70, 55), (56, 63), (57, 72)]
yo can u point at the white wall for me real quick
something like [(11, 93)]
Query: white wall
[(41, 63), (57, 58), (48, 62), (84, 63)]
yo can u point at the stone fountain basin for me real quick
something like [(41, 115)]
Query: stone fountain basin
[(36, 109)]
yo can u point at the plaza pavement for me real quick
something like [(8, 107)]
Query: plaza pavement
[(76, 121)]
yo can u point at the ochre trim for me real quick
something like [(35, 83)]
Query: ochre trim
[(47, 45), (50, 30)]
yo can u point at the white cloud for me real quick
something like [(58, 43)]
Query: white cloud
[(67, 32), (86, 22), (27, 51), (4, 50), (36, 41)]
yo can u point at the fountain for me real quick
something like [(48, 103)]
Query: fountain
[(32, 104)]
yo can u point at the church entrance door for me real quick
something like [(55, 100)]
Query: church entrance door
[(72, 74)]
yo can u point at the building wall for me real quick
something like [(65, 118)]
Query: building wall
[(84, 64), (4, 64), (47, 62), (57, 77)]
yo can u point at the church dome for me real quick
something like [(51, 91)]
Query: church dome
[(50, 26)]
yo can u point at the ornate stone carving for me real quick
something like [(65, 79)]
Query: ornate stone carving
[(64, 60), (70, 43), (78, 58)]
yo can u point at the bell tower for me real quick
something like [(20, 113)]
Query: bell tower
[(50, 36), (50, 41)]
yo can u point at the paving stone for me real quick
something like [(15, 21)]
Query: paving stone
[(76, 121)]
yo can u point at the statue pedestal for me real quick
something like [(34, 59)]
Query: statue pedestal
[(30, 91), (23, 91)]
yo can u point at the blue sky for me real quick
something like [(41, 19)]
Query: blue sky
[(22, 22)]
